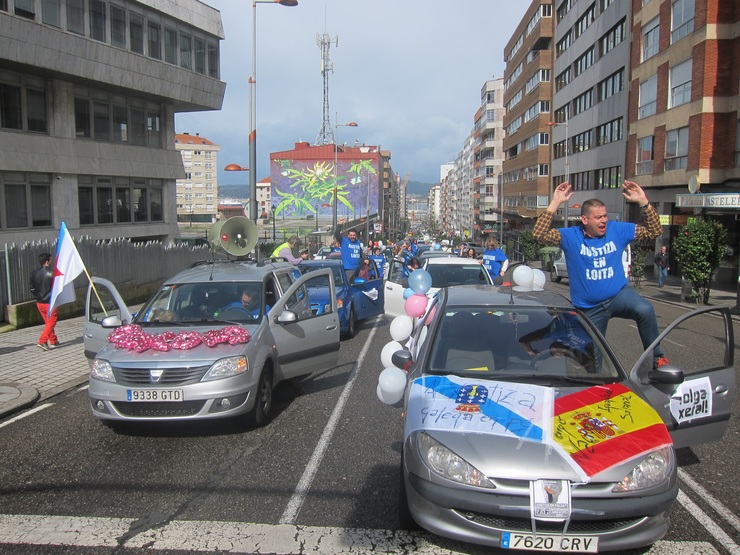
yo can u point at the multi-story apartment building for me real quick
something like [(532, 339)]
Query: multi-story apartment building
[(590, 102), (488, 157), (89, 93), (683, 114), (197, 192), (527, 101)]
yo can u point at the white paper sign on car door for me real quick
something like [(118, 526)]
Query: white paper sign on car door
[(692, 399)]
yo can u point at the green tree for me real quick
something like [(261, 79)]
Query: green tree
[(699, 249), (529, 246), (639, 256)]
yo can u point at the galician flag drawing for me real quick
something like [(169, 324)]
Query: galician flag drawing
[(67, 266)]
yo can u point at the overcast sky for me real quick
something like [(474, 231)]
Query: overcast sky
[(409, 72)]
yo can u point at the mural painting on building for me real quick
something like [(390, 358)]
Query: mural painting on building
[(307, 187)]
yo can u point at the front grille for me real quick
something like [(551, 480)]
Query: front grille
[(159, 410), (170, 377), (574, 527)]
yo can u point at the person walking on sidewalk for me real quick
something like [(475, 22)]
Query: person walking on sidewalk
[(661, 261), (593, 253), (40, 285)]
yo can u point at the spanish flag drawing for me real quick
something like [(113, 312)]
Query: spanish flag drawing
[(604, 425)]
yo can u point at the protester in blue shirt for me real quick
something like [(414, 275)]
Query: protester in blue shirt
[(351, 250), (494, 259), (379, 260)]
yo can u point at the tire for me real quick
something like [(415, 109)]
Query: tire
[(405, 520), (263, 404), (554, 276), (352, 328)]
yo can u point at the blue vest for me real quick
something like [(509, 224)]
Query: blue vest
[(595, 268)]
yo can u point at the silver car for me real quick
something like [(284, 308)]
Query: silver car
[(523, 431), (212, 342)]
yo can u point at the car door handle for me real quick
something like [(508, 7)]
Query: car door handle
[(331, 328)]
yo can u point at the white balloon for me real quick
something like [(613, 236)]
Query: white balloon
[(401, 327), (387, 352), (523, 276), (538, 280), (391, 385)]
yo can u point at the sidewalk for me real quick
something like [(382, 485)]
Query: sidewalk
[(29, 375)]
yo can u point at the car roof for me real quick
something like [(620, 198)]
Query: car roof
[(452, 260), (228, 271), (331, 261), (492, 295)]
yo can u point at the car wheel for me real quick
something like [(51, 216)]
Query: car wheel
[(554, 276), (405, 520), (262, 410), (352, 328)]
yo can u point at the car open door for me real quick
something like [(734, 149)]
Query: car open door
[(394, 288), (103, 300), (306, 342), (368, 296), (701, 354)]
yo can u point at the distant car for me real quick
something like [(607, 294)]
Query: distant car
[(196, 350), (559, 268), (522, 430), (322, 253), (446, 271), (477, 247), (359, 300)]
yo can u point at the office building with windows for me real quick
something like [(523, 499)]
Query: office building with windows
[(89, 91), (683, 126), (590, 98), (527, 101)]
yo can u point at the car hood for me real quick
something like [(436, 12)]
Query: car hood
[(524, 431)]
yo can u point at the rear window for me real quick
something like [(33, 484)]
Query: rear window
[(446, 275)]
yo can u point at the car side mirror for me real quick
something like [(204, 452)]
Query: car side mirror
[(666, 375), (402, 359), (287, 317), (358, 281), (111, 322)]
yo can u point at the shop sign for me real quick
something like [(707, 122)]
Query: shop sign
[(709, 200)]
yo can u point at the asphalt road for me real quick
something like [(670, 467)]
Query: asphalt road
[(322, 477)]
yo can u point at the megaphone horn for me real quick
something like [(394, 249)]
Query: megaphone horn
[(214, 234), (238, 236)]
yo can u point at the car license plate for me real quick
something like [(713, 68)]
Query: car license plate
[(154, 395), (548, 542)]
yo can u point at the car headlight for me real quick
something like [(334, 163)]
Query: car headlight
[(102, 370), (653, 470), (226, 368), (449, 465)]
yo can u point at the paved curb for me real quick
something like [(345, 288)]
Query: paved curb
[(15, 397)]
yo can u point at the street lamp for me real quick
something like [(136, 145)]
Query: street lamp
[(253, 208), (273, 222), (337, 125), (567, 167)]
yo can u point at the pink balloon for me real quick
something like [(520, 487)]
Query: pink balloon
[(416, 305), (432, 312)]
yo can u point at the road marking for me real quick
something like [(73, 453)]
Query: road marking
[(27, 413), (299, 496), (717, 533), (709, 499), (244, 537)]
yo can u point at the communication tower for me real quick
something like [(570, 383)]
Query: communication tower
[(326, 135)]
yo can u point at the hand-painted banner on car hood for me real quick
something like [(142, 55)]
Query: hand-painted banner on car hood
[(474, 405), (604, 425)]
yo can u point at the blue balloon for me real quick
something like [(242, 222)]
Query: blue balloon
[(407, 292), (420, 281), (436, 247)]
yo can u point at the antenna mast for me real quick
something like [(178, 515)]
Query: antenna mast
[(326, 135)]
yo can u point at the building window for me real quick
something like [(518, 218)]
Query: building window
[(611, 85), (609, 178), (612, 38), (101, 201), (609, 132), (680, 84), (682, 19), (98, 21), (585, 20), (27, 199), (583, 102), (51, 12), (200, 56), (136, 33), (117, 26), (584, 62), (677, 149), (30, 115), (170, 46), (76, 16), (36, 110), (25, 8), (155, 40), (650, 39), (644, 156), (648, 97), (186, 49)]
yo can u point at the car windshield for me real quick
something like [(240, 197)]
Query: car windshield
[(520, 343), (336, 270), (185, 303), (445, 275)]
